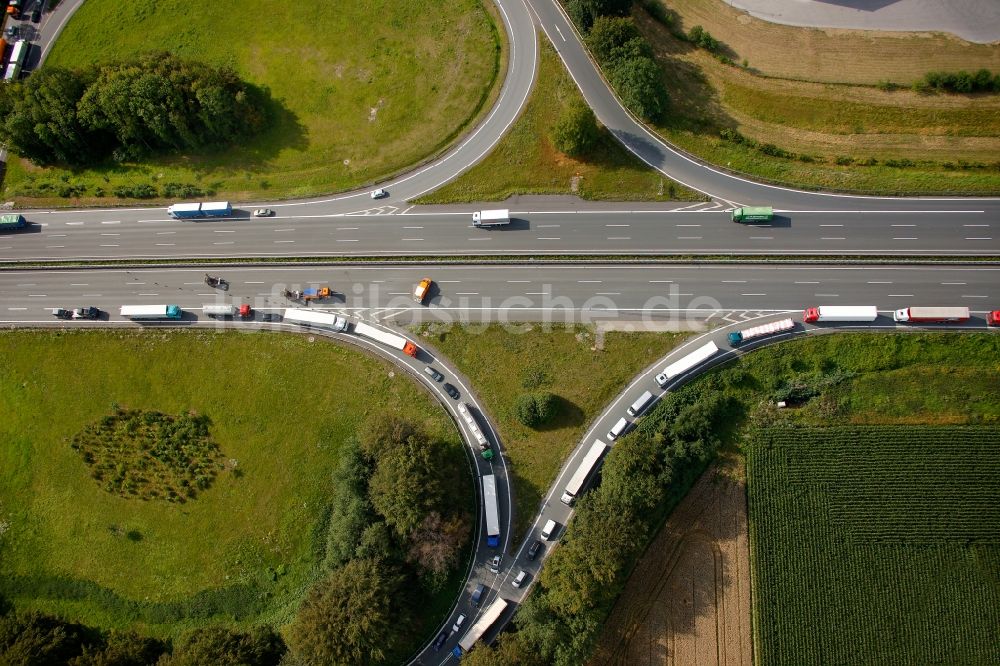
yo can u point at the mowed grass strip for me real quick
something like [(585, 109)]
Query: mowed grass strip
[(563, 360), (950, 142), (874, 545), (526, 162), (361, 90), (246, 549)]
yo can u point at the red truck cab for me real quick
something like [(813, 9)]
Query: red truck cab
[(810, 315), (245, 311), (993, 318)]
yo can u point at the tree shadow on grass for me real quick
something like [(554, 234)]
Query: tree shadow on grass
[(567, 415)]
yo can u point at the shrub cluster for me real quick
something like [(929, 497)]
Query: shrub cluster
[(576, 132), (35, 638), (150, 455), (959, 82), (536, 409), (643, 477), (65, 188), (627, 60), (126, 110), (389, 509)]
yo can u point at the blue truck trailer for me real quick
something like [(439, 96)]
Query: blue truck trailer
[(200, 210)]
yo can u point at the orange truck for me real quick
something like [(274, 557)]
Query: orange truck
[(421, 290)]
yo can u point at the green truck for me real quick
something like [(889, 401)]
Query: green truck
[(8, 222), (753, 214)]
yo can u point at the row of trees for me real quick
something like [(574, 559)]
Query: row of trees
[(395, 534), (643, 477), (127, 110), (35, 639)]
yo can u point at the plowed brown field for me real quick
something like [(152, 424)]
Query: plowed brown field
[(688, 600)]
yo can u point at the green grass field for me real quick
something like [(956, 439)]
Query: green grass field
[(525, 161), (245, 550), (562, 361), (360, 90), (875, 545)]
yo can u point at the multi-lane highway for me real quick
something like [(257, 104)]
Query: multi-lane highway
[(938, 228), (509, 293)]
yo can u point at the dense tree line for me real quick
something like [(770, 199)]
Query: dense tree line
[(960, 82), (624, 55), (643, 477), (127, 110), (35, 639), (394, 532)]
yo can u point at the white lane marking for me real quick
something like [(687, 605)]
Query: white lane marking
[(762, 238), (661, 282), (399, 293), (954, 283), (53, 246), (973, 296), (225, 243), (109, 246), (753, 294), (112, 222), (537, 293), (560, 32), (904, 225), (37, 295), (833, 238), (412, 239), (74, 224), (148, 294), (135, 283), (249, 282), (348, 228), (827, 295), (518, 281), (608, 293), (619, 238), (547, 238), (548, 226), (879, 283), (689, 237), (480, 238), (734, 282), (57, 235), (805, 282), (78, 284), (618, 225), (224, 231), (687, 225), (975, 225), (111, 234), (284, 241), (166, 244), (466, 293), (974, 238), (347, 240), (413, 227), (589, 281), (165, 233), (831, 225), (17, 308), (285, 229), (27, 284), (908, 238), (91, 296), (900, 295)]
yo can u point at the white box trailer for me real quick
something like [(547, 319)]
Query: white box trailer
[(482, 625), (640, 404), (918, 314), (217, 310), (491, 218), (305, 317), (840, 313), (583, 472), (151, 311), (492, 510), (679, 367), (385, 337)]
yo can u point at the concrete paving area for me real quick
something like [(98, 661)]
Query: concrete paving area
[(973, 20)]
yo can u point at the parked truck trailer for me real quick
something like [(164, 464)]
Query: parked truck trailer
[(840, 313), (482, 625), (477, 433), (305, 317), (227, 310), (924, 314), (492, 510), (737, 338), (386, 338), (753, 214), (151, 311), (198, 210), (679, 367), (583, 472)]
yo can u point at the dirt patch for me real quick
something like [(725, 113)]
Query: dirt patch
[(688, 600)]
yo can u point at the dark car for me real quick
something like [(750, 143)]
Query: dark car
[(61, 313), (89, 312), (36, 15), (452, 391), (533, 550), (439, 641), (477, 594)]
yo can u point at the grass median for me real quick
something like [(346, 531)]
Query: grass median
[(242, 552), (583, 368), (359, 91), (526, 162)]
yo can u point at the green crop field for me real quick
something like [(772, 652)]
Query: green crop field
[(876, 545), (243, 551), (360, 90)]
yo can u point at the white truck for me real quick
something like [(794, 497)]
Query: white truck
[(679, 367), (925, 314), (739, 337), (840, 313), (492, 510), (305, 317), (385, 337), (491, 218), (151, 311), (583, 472)]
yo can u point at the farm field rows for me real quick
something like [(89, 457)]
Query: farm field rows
[(875, 544)]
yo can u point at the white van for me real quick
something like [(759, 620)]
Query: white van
[(519, 581), (619, 429), (550, 527), (641, 403)]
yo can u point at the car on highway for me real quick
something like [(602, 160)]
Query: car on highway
[(452, 391), (263, 212), (533, 549), (433, 373), (521, 577), (270, 316), (477, 594), (459, 621), (61, 313), (422, 289), (89, 312), (495, 564), (380, 193), (439, 641)]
